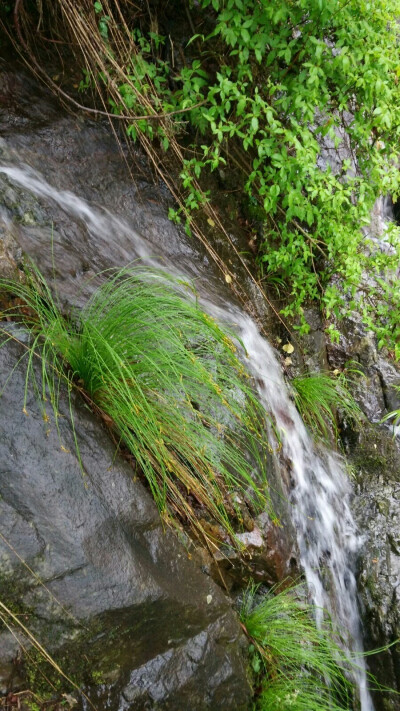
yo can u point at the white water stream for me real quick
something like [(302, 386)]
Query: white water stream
[(326, 531)]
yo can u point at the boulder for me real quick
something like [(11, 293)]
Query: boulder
[(88, 566), (376, 462)]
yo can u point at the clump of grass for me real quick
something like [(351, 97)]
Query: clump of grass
[(301, 665), (394, 415), (167, 378), (319, 396)]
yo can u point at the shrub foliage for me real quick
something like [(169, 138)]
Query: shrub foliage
[(298, 99)]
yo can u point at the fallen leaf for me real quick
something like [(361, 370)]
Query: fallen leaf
[(228, 278), (336, 372), (211, 222), (209, 599), (288, 348), (288, 361)]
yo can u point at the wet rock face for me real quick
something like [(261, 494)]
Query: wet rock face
[(377, 508), (376, 463), (120, 591), (82, 156), (155, 631), (375, 458), (269, 556), (375, 392)]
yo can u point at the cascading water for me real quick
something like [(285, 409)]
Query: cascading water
[(326, 531), (101, 224)]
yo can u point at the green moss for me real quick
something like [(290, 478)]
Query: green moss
[(78, 660), (12, 593), (84, 660), (41, 678), (376, 454), (370, 584)]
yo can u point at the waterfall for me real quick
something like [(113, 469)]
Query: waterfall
[(326, 532)]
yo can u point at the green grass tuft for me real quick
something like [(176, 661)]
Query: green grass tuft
[(319, 396), (168, 380), (301, 665), (394, 415)]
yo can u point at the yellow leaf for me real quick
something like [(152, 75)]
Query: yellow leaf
[(288, 361), (211, 222), (288, 348), (228, 278)]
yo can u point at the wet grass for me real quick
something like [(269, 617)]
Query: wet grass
[(319, 397), (394, 416), (167, 380), (300, 667)]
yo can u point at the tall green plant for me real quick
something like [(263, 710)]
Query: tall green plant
[(300, 666), (319, 397), (168, 379)]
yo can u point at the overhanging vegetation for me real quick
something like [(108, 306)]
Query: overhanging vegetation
[(298, 101)]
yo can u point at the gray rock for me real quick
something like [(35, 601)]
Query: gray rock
[(390, 382), (118, 589), (377, 510), (375, 459), (10, 252)]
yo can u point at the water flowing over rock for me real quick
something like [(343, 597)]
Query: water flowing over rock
[(374, 454), (319, 489), (155, 630), (374, 458), (96, 541)]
